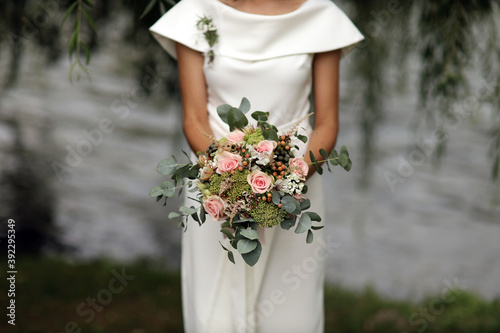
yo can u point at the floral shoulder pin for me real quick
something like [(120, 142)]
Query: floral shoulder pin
[(206, 26)]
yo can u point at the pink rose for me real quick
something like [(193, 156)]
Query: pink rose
[(235, 136), (266, 146), (299, 166), (228, 161), (215, 207), (259, 181)]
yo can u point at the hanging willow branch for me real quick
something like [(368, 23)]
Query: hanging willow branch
[(491, 73), (76, 44), (371, 61), (447, 48)]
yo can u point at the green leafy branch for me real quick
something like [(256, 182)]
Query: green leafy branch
[(296, 208), (76, 44), (342, 158), (236, 119), (178, 173), (244, 238), (163, 5)]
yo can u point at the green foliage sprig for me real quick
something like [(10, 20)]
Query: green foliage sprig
[(76, 44), (206, 25)]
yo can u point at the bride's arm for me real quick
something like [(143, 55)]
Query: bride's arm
[(194, 98), (326, 96)]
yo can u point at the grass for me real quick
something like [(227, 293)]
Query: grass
[(56, 296)]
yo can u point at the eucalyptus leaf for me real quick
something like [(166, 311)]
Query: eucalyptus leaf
[(244, 105), (237, 220), (193, 172), (343, 151), (186, 154), (188, 210), (305, 204), (325, 156), (302, 138), (230, 256), (304, 224), (314, 161), (246, 245), (223, 110), (343, 160), (167, 167), (314, 216), (291, 205), (348, 166), (168, 188), (305, 189), (276, 198), (287, 224), (270, 134), (195, 217), (173, 215), (203, 216), (260, 116), (310, 237), (251, 258), (228, 233), (323, 153), (181, 172), (250, 234), (236, 119), (155, 192), (317, 227)]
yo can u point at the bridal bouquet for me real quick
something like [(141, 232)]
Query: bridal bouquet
[(250, 178)]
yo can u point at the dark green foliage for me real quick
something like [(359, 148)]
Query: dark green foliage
[(449, 47)]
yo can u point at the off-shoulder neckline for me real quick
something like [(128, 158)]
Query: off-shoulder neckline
[(262, 15)]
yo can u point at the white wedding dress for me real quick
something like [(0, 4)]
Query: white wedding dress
[(268, 59)]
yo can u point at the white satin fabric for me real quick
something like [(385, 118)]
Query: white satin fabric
[(267, 59)]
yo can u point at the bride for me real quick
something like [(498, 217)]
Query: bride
[(273, 52)]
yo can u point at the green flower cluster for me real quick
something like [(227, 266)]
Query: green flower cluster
[(215, 181), (255, 137), (267, 214), (238, 186)]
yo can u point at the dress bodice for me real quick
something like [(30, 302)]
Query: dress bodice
[(265, 58)]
